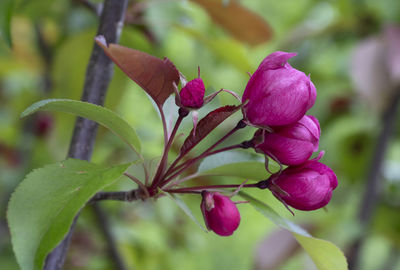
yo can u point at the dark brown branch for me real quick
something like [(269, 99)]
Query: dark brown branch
[(372, 192), (125, 196), (98, 75), (105, 229), (96, 8)]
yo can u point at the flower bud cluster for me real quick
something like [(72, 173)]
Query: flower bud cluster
[(276, 100)]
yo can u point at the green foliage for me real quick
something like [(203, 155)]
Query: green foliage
[(325, 255), (239, 164), (247, 170), (99, 114), (182, 205), (51, 43), (350, 148), (230, 50), (43, 207), (6, 11)]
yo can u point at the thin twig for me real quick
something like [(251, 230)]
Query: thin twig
[(371, 194), (96, 8), (139, 183), (124, 196), (105, 229), (98, 75)]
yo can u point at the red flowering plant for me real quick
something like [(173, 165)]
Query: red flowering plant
[(275, 102)]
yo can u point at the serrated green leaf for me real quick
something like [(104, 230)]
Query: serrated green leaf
[(182, 205), (236, 164), (43, 206), (325, 254), (99, 114), (6, 10)]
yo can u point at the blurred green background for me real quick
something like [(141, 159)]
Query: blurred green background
[(51, 45)]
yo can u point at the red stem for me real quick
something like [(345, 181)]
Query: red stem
[(190, 189), (178, 170), (235, 146), (164, 123), (164, 159)]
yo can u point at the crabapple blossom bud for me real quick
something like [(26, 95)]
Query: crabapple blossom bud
[(276, 93), (192, 95), (306, 187), (42, 124), (220, 213), (292, 144)]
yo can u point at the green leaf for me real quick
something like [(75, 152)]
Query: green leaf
[(42, 208), (6, 10), (182, 205), (99, 114), (325, 254), (236, 164)]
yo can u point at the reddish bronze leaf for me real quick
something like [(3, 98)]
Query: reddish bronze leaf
[(206, 125), (242, 23), (155, 76)]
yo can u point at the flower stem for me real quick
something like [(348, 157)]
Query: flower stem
[(180, 181), (178, 170), (157, 178), (199, 188), (139, 183), (164, 123)]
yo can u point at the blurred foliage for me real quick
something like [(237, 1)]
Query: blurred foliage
[(51, 44)]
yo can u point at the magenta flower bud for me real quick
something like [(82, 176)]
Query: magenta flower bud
[(306, 187), (220, 213), (192, 95), (292, 144), (276, 93)]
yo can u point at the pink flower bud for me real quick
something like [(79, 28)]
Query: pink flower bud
[(220, 213), (292, 144), (276, 93), (306, 187), (192, 95)]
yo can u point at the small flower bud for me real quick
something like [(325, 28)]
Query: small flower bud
[(42, 124), (220, 213), (306, 187), (192, 95), (276, 93), (292, 144)]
